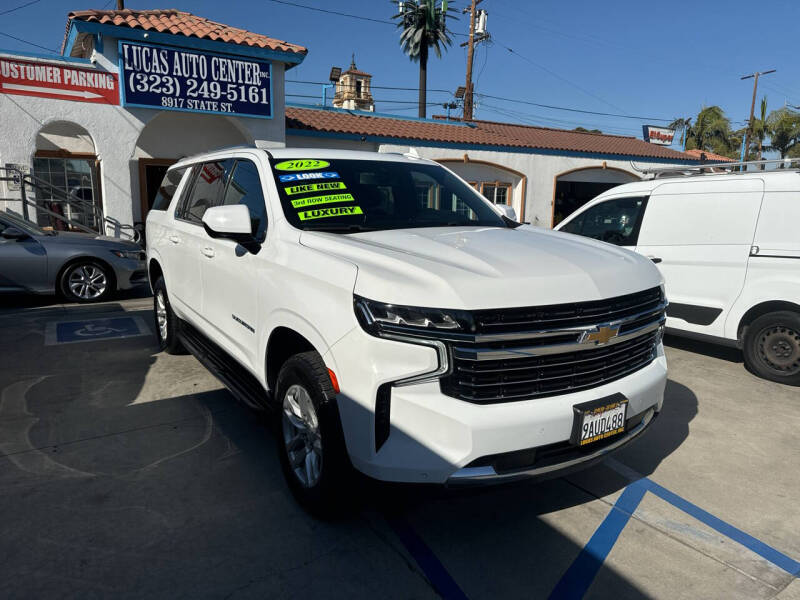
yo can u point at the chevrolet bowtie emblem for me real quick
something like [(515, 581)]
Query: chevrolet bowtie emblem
[(600, 336)]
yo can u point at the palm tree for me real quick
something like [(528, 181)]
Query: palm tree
[(783, 126), (711, 131), (422, 26), (683, 126), (760, 130)]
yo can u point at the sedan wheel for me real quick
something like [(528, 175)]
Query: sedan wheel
[(86, 282)]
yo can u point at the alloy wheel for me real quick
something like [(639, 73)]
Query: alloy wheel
[(301, 436), (161, 315), (87, 282)]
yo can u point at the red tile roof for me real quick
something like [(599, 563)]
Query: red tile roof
[(710, 156), (178, 22), (486, 133)]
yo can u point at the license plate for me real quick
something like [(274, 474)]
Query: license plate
[(598, 419)]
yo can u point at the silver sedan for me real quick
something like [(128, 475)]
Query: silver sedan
[(82, 267)]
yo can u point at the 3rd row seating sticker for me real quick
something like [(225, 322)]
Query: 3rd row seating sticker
[(329, 199), (302, 165), (320, 213), (314, 187), (305, 176)]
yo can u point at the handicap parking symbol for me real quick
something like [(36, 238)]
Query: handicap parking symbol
[(70, 332)]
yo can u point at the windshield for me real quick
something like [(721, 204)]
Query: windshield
[(20, 223), (347, 196)]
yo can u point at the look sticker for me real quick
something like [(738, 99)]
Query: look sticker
[(329, 199), (314, 187), (302, 165), (321, 213)]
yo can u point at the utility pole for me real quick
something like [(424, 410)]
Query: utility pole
[(749, 131), (468, 104), (120, 4)]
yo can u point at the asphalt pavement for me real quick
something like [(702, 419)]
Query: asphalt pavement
[(129, 473)]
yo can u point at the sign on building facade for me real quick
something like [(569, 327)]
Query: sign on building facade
[(658, 135), (176, 79), (57, 80)]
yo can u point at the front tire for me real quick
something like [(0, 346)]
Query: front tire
[(87, 281), (310, 439), (772, 347), (166, 321)]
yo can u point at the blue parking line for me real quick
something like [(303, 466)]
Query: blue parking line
[(433, 569), (765, 551), (580, 575)]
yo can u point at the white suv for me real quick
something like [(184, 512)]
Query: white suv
[(398, 321), (728, 245)]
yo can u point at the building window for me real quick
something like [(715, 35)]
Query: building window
[(359, 85), (69, 187), (496, 192)]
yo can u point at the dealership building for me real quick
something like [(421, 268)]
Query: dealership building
[(134, 91)]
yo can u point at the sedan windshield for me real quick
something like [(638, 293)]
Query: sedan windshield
[(347, 196), (20, 223)]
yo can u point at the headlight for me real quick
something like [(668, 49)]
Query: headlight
[(378, 317), (132, 254)]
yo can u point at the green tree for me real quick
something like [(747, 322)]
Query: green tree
[(783, 127), (711, 132), (682, 125), (422, 26), (760, 128)]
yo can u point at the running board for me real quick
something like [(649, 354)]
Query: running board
[(241, 383)]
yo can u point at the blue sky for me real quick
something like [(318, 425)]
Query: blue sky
[(645, 59)]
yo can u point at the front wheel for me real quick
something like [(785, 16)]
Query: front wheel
[(772, 347), (310, 440), (166, 321), (86, 281)]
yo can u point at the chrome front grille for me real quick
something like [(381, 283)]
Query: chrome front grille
[(524, 353)]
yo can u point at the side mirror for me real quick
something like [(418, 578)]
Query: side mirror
[(507, 211), (12, 233), (229, 222)]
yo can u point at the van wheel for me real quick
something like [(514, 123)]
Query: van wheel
[(166, 321), (772, 347), (310, 439)]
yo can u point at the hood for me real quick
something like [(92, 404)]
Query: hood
[(473, 268), (76, 237)]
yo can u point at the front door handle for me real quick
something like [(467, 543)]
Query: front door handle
[(209, 252), (655, 259), (174, 239)]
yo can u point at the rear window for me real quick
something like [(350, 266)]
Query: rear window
[(366, 195), (166, 190)]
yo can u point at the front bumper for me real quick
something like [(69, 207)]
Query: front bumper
[(435, 438), (129, 273)]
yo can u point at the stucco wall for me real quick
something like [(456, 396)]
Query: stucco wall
[(115, 132)]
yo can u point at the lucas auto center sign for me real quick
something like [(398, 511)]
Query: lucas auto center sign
[(57, 80), (176, 79)]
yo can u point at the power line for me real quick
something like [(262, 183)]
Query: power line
[(8, 35), (10, 10), (331, 12), (374, 87), (577, 110)]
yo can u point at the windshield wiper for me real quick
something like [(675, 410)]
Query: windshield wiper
[(341, 228)]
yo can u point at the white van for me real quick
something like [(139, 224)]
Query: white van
[(728, 245)]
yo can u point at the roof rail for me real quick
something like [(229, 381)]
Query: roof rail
[(717, 168)]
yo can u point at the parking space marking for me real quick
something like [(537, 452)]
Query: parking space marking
[(579, 576), (89, 330), (581, 573), (764, 550), (433, 569)]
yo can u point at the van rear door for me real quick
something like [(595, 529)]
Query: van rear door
[(699, 233)]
